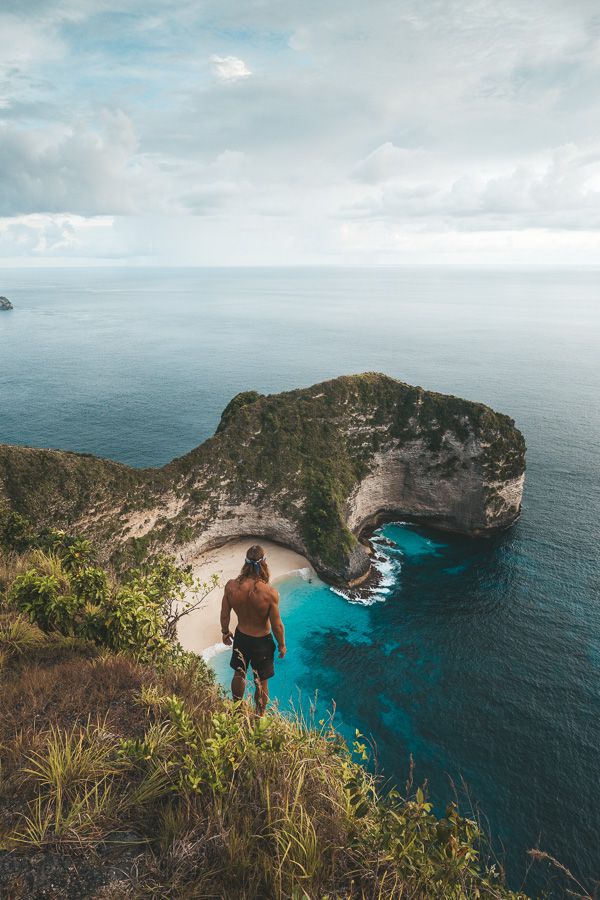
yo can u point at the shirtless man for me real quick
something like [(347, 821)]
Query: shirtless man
[(256, 605)]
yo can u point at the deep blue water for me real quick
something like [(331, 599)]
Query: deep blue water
[(483, 661)]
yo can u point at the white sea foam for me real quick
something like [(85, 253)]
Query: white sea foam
[(381, 543), (213, 650), (387, 570), (366, 600), (305, 573), (339, 593)]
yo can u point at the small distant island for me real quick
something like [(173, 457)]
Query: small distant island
[(5, 303)]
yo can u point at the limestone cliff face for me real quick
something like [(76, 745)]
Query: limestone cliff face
[(309, 468), (406, 481)]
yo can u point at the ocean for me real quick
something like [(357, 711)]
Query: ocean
[(482, 657)]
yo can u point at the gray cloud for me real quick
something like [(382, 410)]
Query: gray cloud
[(76, 169), (328, 130), (561, 192), (37, 236)]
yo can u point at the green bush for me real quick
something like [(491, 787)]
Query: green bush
[(64, 590), (135, 622), (16, 532), (75, 553), (90, 584), (80, 604), (39, 595)]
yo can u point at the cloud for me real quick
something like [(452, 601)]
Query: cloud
[(388, 161), (365, 132), (559, 192), (229, 68), (216, 196), (23, 43), (80, 168), (49, 235)]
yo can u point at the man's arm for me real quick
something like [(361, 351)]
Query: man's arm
[(277, 624), (225, 617)]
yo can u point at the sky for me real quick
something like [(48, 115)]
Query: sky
[(299, 132)]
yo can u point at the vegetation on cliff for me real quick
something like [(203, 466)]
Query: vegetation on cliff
[(126, 773), (297, 456)]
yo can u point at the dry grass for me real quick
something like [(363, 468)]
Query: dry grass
[(101, 751), (11, 565)]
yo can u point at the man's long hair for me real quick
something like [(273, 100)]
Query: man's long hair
[(255, 565)]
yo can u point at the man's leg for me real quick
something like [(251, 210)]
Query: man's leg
[(238, 685), (261, 695)]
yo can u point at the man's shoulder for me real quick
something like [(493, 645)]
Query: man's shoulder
[(231, 585), (265, 590), (272, 592)]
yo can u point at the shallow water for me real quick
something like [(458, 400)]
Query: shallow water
[(483, 659)]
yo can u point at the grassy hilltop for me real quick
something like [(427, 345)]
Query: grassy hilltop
[(127, 774)]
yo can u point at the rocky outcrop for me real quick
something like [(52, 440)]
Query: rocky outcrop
[(312, 469), (5, 303)]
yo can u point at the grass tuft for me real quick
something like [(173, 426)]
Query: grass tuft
[(18, 636)]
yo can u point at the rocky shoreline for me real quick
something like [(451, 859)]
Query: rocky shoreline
[(5, 303)]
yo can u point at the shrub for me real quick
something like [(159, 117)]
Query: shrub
[(16, 532), (75, 553), (63, 590), (40, 596), (135, 622), (90, 584)]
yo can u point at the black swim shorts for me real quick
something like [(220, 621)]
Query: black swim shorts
[(256, 652)]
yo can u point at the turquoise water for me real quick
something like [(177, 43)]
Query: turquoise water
[(471, 664), (483, 660)]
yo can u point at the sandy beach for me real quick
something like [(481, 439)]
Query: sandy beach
[(201, 630)]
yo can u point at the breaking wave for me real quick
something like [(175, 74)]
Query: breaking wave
[(385, 565), (213, 650)]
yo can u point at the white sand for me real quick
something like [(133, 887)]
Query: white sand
[(201, 630)]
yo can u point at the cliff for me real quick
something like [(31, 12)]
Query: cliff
[(310, 468)]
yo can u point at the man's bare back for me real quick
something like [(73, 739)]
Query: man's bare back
[(251, 601)]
